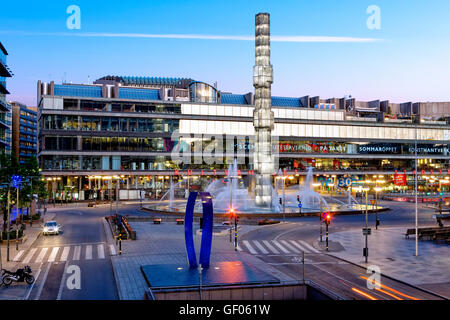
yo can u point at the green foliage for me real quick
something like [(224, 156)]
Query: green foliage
[(12, 234), (31, 181)]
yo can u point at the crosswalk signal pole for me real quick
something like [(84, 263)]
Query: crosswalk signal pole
[(9, 224), (235, 233), (327, 222)]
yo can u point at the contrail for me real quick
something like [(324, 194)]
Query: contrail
[(194, 36)]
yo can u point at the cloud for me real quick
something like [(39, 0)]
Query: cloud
[(324, 39)]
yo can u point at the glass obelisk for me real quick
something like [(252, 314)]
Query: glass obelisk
[(263, 115)]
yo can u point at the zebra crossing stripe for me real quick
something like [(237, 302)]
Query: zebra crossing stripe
[(308, 246), (77, 253), (53, 254), (65, 254), (17, 257), (299, 246), (280, 246), (89, 252), (260, 247), (271, 247), (112, 249), (42, 255), (101, 251), (249, 247), (290, 247), (29, 255)]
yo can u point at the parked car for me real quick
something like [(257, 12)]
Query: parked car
[(51, 227)]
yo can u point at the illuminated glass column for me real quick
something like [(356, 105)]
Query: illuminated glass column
[(263, 115)]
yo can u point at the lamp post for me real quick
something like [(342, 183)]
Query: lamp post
[(366, 230), (415, 186)]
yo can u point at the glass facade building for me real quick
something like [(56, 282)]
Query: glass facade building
[(141, 136), (5, 109)]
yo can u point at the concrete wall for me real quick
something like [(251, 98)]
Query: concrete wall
[(274, 292)]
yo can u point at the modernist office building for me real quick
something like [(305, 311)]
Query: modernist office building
[(121, 130), (24, 131), (5, 110)]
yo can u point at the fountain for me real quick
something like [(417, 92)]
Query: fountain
[(231, 191)]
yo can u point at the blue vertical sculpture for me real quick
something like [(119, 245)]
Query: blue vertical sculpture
[(205, 249)]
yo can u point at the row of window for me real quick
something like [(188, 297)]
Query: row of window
[(314, 130), (109, 144), (86, 105), (164, 163), (58, 122)]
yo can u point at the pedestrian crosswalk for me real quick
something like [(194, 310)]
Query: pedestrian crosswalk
[(65, 253), (276, 247)]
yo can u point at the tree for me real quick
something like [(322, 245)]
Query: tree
[(32, 182)]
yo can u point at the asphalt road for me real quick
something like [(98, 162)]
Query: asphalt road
[(344, 279), (76, 264)]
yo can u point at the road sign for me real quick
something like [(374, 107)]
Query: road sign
[(372, 201), (367, 231), (300, 205)]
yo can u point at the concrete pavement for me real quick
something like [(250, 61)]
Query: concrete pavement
[(395, 256)]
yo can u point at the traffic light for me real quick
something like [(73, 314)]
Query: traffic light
[(298, 198), (281, 201), (328, 218), (231, 212)]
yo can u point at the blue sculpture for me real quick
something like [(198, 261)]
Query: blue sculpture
[(205, 249)]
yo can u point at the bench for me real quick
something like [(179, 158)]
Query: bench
[(157, 221), (180, 221), (428, 233)]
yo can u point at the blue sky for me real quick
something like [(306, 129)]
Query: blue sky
[(410, 62)]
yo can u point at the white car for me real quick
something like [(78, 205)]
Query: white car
[(51, 227)]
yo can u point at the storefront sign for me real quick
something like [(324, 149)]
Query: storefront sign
[(400, 179)]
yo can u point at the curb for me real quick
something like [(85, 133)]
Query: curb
[(392, 278), (110, 259)]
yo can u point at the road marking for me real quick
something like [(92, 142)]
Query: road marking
[(38, 295), (290, 247), (112, 249), (63, 282), (101, 251), (299, 246), (89, 252), (29, 255), (77, 253), (260, 247), (32, 286), (271, 247), (309, 247), (65, 254), (280, 246), (249, 247), (17, 257), (41, 255), (53, 254)]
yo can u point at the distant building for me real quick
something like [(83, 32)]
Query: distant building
[(5, 110), (121, 132), (24, 131)]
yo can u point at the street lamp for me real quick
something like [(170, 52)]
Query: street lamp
[(366, 230)]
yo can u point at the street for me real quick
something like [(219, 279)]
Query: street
[(282, 245), (81, 244)]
